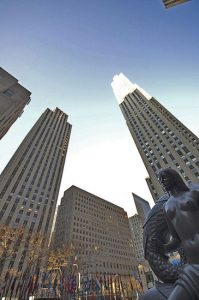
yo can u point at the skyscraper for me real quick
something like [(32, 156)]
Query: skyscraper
[(99, 232), (161, 139), (29, 184), (13, 98), (171, 3), (135, 223), (142, 206), (145, 273)]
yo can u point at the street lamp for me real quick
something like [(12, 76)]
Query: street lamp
[(79, 278)]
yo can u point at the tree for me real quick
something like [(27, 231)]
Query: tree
[(57, 262), (10, 238), (58, 258)]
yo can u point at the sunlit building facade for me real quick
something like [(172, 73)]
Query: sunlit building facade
[(137, 235), (161, 139), (136, 223), (29, 184), (13, 98), (99, 232), (171, 3)]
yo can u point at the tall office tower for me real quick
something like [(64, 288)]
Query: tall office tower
[(161, 139), (142, 206), (171, 3), (13, 98), (99, 232), (29, 184), (136, 225)]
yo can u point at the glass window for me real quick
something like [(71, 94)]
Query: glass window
[(8, 92)]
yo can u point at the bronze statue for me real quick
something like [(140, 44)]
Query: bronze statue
[(177, 213), (182, 215)]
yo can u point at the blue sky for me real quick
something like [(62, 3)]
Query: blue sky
[(67, 52)]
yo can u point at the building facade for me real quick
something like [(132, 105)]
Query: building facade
[(13, 98), (29, 184), (161, 139), (171, 3), (99, 232), (137, 236), (136, 223), (142, 206)]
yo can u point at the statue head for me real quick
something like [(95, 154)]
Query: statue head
[(171, 180)]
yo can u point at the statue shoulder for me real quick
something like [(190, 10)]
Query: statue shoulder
[(194, 191), (169, 208), (195, 194)]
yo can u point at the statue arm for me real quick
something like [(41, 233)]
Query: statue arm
[(172, 245), (174, 242)]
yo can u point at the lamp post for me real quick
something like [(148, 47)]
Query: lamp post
[(79, 278), (115, 285)]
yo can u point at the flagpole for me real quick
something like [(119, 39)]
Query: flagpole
[(101, 283), (115, 285), (111, 282)]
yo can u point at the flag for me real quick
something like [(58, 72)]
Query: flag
[(121, 284), (67, 285), (97, 284), (111, 283), (106, 285), (43, 280), (115, 283), (36, 281), (93, 284), (73, 283), (61, 283), (49, 280), (67, 282), (131, 284), (55, 285), (118, 281), (101, 280), (87, 284), (138, 280), (42, 284)]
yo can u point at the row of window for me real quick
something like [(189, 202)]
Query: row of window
[(149, 153)]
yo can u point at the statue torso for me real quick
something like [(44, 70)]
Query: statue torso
[(183, 213)]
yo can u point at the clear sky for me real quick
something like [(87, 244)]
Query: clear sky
[(67, 52)]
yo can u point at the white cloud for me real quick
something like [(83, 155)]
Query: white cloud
[(110, 169)]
